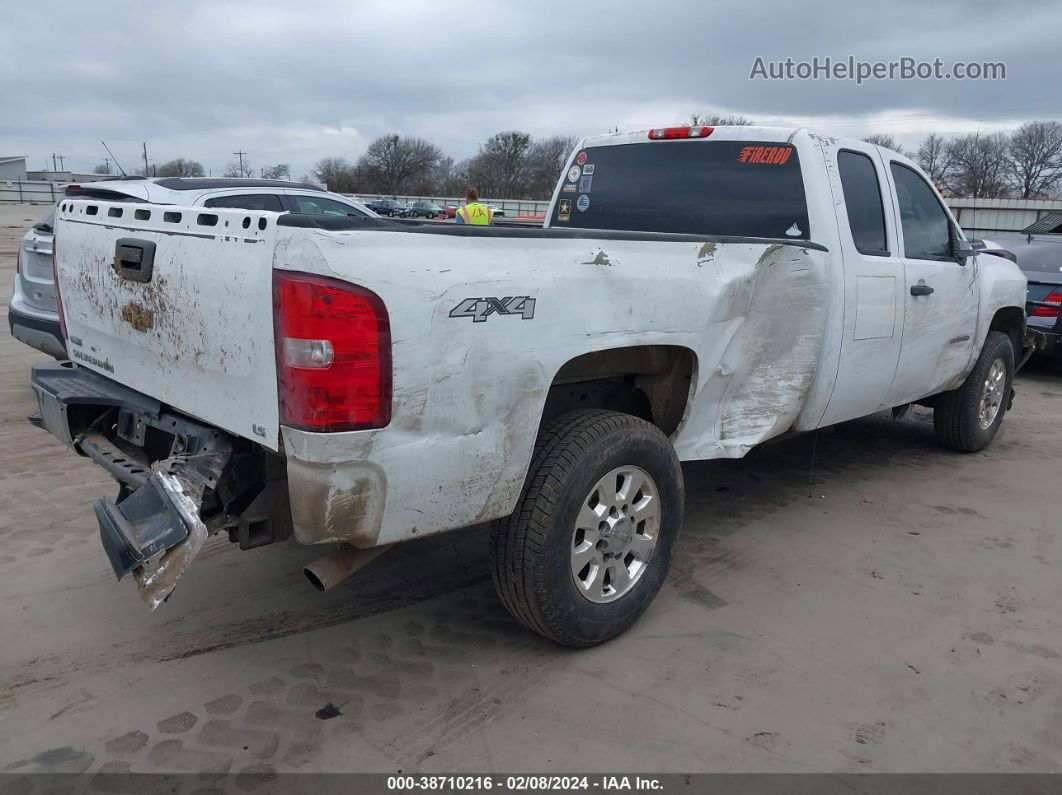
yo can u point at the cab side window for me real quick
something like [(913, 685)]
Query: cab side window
[(862, 199), (247, 201), (926, 228)]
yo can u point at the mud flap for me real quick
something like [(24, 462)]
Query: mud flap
[(154, 533)]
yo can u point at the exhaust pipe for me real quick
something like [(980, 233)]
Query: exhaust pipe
[(329, 570)]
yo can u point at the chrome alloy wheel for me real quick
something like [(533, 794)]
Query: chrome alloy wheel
[(992, 393), (615, 534)]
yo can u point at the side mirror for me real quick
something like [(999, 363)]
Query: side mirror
[(963, 250)]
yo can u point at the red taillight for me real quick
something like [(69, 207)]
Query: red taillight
[(58, 297), (666, 133), (1046, 311), (333, 345)]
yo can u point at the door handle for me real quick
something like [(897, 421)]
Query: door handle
[(921, 289)]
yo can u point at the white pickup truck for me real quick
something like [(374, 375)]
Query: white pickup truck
[(361, 382)]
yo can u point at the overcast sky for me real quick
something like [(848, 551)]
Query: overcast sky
[(297, 81)]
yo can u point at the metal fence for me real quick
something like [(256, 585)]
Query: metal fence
[(527, 208), (982, 217), (35, 192)]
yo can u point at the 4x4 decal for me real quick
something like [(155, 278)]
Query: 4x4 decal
[(479, 309)]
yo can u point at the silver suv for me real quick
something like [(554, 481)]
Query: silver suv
[(33, 315)]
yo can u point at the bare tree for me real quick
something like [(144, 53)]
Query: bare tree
[(546, 159), (102, 168), (934, 156), (501, 167), (279, 171), (884, 140), (234, 169), (393, 161), (179, 167), (337, 174), (1035, 159), (716, 120), (980, 165)]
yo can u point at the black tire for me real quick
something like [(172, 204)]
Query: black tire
[(956, 414), (530, 550)]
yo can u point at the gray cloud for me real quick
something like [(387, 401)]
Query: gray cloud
[(296, 82)]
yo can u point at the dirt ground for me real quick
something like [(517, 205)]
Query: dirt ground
[(894, 610)]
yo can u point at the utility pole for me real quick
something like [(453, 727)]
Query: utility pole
[(147, 169), (240, 155), (53, 162), (61, 167), (107, 165)]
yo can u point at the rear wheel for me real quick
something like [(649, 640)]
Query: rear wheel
[(589, 544), (968, 418)]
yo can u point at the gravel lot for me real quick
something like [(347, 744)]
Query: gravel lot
[(895, 610)]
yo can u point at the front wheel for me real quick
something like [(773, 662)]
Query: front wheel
[(589, 544), (968, 418)]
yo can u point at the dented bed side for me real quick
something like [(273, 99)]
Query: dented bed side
[(469, 390)]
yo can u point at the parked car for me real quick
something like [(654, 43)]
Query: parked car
[(391, 208), (32, 314), (1040, 257), (426, 209), (375, 383)]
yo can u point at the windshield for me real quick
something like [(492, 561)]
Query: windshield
[(740, 188)]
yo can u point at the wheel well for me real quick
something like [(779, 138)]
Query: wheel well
[(1011, 321), (648, 381)]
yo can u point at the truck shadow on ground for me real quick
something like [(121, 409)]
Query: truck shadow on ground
[(722, 498)]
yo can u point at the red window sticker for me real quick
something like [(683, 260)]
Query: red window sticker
[(580, 158), (767, 155)]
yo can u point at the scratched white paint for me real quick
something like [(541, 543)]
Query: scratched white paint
[(209, 352), (773, 330)]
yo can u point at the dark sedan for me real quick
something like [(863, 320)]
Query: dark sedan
[(1040, 258), (391, 208), (425, 209)]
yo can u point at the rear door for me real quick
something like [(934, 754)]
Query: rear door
[(317, 204), (176, 303), (941, 295), (873, 284)]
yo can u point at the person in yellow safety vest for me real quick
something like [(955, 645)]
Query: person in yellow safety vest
[(473, 212)]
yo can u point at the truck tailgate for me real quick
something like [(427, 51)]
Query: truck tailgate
[(176, 303)]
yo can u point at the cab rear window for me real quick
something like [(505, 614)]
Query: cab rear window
[(744, 188)]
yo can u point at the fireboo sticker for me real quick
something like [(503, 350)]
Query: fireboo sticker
[(580, 158), (585, 183), (573, 173), (583, 203), (564, 211), (767, 155), (588, 169)]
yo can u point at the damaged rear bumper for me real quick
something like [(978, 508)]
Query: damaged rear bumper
[(155, 527), (1035, 341)]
